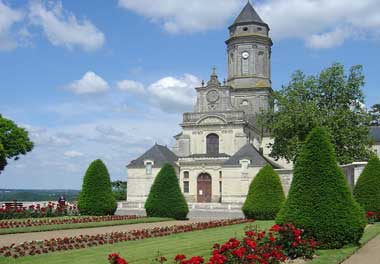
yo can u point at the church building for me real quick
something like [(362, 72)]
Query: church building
[(221, 146)]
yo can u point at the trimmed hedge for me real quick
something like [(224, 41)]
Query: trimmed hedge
[(265, 196), (367, 189), (96, 197), (320, 200), (165, 197)]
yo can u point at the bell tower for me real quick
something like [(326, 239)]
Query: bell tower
[(249, 51)]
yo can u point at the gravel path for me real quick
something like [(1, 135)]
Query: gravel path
[(6, 240), (369, 254)]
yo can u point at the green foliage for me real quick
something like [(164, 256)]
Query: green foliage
[(332, 100), (375, 115), (165, 198), (320, 200), (119, 190), (265, 196), (367, 189), (96, 197), (14, 141), (3, 158)]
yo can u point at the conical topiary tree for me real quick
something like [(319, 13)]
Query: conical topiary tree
[(96, 196), (319, 199), (367, 189), (165, 198), (265, 196)]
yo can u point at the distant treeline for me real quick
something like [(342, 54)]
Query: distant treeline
[(37, 195)]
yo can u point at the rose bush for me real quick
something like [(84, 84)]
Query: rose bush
[(83, 241), (257, 247), (37, 211), (373, 217)]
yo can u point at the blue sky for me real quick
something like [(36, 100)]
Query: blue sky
[(109, 79)]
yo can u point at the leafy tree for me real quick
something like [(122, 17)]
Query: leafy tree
[(265, 195), (119, 190), (320, 200), (96, 197), (330, 99), (14, 141), (367, 189), (375, 115), (165, 197)]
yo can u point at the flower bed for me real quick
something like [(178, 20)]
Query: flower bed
[(373, 217), (77, 242), (36, 211), (276, 246), (5, 224)]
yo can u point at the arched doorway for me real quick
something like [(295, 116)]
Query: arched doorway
[(212, 144), (204, 188)]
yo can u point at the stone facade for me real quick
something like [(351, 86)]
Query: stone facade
[(222, 147)]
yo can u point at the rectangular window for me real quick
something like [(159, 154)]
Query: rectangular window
[(220, 186), (186, 175), (186, 187), (148, 168)]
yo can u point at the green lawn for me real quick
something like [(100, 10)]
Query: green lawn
[(143, 251), (81, 225), (190, 244), (339, 255)]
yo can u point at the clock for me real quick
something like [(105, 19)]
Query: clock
[(212, 96), (245, 55)]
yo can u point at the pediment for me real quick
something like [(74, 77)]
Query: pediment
[(212, 120)]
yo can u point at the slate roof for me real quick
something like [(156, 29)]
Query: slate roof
[(375, 134), (248, 15), (249, 152), (219, 155), (159, 154)]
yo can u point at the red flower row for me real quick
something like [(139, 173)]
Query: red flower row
[(62, 221), (36, 211), (373, 217), (273, 247), (69, 243)]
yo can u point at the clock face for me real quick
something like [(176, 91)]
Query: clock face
[(245, 55), (212, 96)]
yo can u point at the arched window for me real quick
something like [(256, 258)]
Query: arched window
[(212, 144)]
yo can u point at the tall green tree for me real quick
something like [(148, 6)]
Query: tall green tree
[(14, 141), (319, 199), (331, 99), (119, 190), (367, 189), (375, 115), (96, 197), (165, 198), (265, 196)]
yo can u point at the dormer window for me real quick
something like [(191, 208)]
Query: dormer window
[(148, 166)]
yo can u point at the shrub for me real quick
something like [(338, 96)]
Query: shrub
[(96, 197), (265, 196), (367, 189), (319, 198), (165, 198)]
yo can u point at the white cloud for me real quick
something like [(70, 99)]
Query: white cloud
[(73, 154), (63, 28), (8, 17), (320, 23), (131, 86), (185, 16), (89, 84), (328, 40), (173, 94)]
